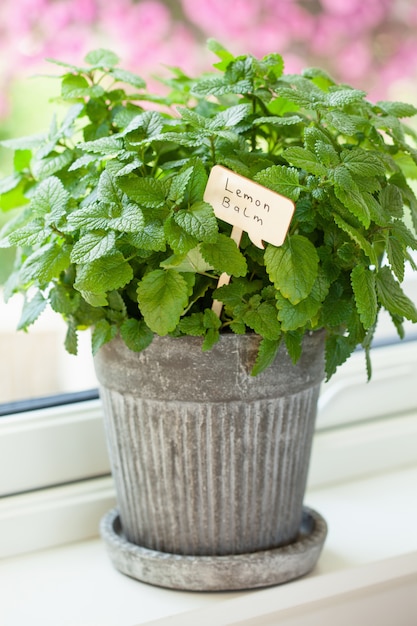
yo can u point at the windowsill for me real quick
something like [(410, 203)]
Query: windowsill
[(371, 549)]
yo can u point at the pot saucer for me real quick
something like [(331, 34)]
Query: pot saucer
[(216, 573)]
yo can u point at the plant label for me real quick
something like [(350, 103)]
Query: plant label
[(264, 214)]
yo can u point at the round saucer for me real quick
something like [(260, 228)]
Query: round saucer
[(216, 573)]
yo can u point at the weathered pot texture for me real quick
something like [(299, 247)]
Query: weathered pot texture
[(207, 459)]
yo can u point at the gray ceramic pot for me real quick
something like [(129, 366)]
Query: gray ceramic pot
[(208, 460)]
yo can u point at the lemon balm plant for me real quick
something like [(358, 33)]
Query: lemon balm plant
[(112, 230)]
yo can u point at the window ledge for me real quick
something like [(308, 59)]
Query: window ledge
[(368, 568)]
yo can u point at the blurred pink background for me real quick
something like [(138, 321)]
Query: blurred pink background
[(370, 44)]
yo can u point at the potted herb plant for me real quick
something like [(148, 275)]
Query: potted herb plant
[(210, 387)]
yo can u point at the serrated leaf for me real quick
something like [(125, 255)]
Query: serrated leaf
[(29, 235), (107, 190), (391, 200), (45, 264), (340, 97), (358, 238), (284, 180), (50, 196), (293, 267), (128, 77), (190, 262), (104, 145), (347, 191), (398, 109), (326, 153), (71, 338), (136, 334), (162, 297), (230, 116), (224, 256), (50, 165), (178, 186), (197, 182), (192, 325), (363, 162), (63, 300), (150, 237), (396, 257), (92, 246), (304, 159), (274, 120), (199, 221), (364, 289), (104, 274), (31, 311), (103, 332), (219, 87), (147, 192), (392, 297), (83, 161), (338, 349), (262, 317), (102, 58), (178, 239), (267, 352)]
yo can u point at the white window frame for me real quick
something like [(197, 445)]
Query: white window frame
[(55, 473)]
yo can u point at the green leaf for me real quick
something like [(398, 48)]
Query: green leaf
[(396, 257), (306, 160), (199, 221), (224, 256), (128, 77), (342, 96), (392, 297), (71, 338), (104, 145), (136, 334), (230, 116), (45, 264), (107, 190), (284, 180), (178, 186), (347, 191), (293, 267), (162, 296), (274, 120), (43, 168), (63, 300), (147, 192), (391, 200), (103, 332), (31, 310), (192, 325), (190, 262), (262, 317), (358, 238), (150, 237), (50, 197), (338, 349), (197, 182), (92, 246), (212, 326), (364, 289), (102, 58), (178, 239), (267, 352), (29, 235), (398, 109), (363, 162), (104, 274)]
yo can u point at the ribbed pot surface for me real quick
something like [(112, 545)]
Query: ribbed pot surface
[(207, 459)]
